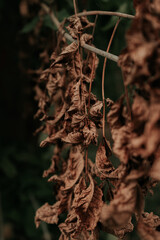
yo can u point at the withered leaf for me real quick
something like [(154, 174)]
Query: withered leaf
[(66, 53), (47, 213), (88, 208), (118, 231), (103, 164), (75, 26), (95, 111), (74, 169), (85, 38), (77, 120), (90, 134), (83, 194), (53, 138), (73, 137), (121, 208), (147, 226)]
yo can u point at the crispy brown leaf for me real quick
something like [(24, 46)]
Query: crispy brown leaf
[(103, 164), (147, 227), (47, 213)]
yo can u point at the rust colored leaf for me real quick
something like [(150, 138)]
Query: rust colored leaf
[(47, 213), (83, 194), (75, 27), (66, 53), (74, 169), (103, 164), (90, 134), (53, 138), (121, 208), (73, 137), (147, 226)]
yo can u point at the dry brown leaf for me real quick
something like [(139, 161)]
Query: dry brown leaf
[(73, 171), (90, 134), (121, 208), (73, 137), (103, 164), (147, 226), (47, 213), (53, 138), (83, 195)]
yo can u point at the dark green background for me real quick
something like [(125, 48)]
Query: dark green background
[(21, 160)]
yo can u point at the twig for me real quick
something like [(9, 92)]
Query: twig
[(103, 74), (75, 8), (1, 220), (90, 85), (46, 233), (68, 37), (118, 14)]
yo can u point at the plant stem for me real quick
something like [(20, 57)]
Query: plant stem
[(75, 8), (68, 37), (90, 85), (103, 73)]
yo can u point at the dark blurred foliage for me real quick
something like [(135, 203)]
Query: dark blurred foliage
[(22, 162)]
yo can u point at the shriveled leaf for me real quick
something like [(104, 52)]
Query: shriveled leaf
[(90, 134), (53, 138), (103, 164), (121, 208), (83, 195), (73, 171), (73, 137), (147, 226), (66, 53), (47, 213)]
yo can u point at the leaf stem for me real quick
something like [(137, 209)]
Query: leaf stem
[(103, 73)]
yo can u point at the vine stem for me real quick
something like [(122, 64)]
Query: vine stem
[(69, 38), (103, 73)]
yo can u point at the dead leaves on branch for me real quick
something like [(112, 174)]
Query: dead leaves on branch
[(72, 116)]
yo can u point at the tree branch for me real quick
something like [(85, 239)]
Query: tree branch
[(117, 14), (68, 37)]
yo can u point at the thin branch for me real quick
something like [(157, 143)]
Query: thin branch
[(75, 7), (68, 37), (103, 73), (90, 85), (118, 14)]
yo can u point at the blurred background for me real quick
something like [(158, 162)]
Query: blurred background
[(28, 37)]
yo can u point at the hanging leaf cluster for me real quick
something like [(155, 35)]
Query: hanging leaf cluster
[(72, 119)]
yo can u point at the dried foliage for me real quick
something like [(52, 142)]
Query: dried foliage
[(72, 117)]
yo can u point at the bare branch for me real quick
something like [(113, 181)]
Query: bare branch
[(68, 37), (117, 14)]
